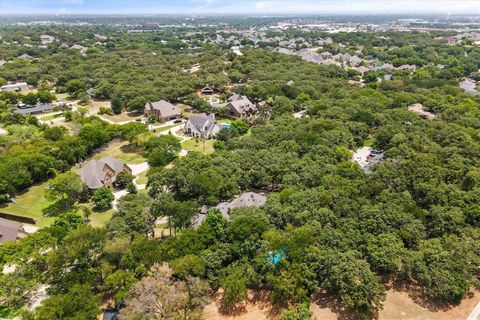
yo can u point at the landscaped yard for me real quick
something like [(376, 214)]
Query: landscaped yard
[(30, 204), (124, 116), (100, 219), (186, 110), (142, 177), (122, 151), (205, 147)]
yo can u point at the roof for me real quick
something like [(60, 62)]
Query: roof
[(37, 108), (241, 103), (165, 108), (201, 122), (419, 109), (93, 174), (9, 230), (14, 85), (25, 56), (246, 199)]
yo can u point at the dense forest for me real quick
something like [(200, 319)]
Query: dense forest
[(413, 221)]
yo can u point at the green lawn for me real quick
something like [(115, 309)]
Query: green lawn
[(30, 204), (166, 128), (368, 142), (192, 144), (223, 120), (100, 219), (50, 116), (142, 177), (122, 151)]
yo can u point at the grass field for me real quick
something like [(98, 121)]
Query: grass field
[(30, 204), (100, 219), (192, 144), (142, 177), (122, 151), (124, 116)]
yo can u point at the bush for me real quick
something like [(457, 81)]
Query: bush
[(105, 110)]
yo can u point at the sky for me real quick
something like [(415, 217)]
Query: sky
[(218, 7)]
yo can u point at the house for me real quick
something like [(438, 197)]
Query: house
[(10, 231), (207, 90), (20, 86), (163, 110), (202, 126), (46, 39), (363, 69), (39, 108), (25, 56), (103, 172), (240, 106), (80, 48), (246, 199), (420, 110)]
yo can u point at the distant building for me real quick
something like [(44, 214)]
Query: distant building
[(80, 48), (207, 90), (240, 106), (99, 173), (10, 231), (202, 126), (420, 110), (246, 199), (237, 51), (25, 56), (46, 39), (163, 110), (20, 86), (30, 110)]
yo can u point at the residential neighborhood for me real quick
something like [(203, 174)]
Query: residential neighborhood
[(286, 160)]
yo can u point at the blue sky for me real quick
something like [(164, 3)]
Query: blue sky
[(237, 6)]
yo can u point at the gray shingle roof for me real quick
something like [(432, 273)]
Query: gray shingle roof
[(38, 108), (246, 199), (9, 230), (93, 174), (165, 108)]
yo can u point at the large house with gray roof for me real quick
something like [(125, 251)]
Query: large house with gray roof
[(163, 110), (99, 173), (246, 199), (201, 126), (240, 106)]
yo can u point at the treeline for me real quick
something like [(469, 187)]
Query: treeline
[(33, 153)]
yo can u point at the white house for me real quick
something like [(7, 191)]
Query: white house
[(202, 126)]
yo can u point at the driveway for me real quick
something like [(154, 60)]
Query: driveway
[(136, 170)]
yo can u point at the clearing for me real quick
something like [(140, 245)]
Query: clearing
[(399, 305), (205, 147), (121, 150)]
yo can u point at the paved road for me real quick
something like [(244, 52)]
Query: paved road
[(136, 169), (475, 314)]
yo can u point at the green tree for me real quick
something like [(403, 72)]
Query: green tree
[(68, 306), (102, 198)]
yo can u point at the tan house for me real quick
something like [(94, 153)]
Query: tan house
[(240, 106), (163, 110), (103, 172)]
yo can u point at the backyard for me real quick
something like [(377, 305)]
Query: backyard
[(121, 150)]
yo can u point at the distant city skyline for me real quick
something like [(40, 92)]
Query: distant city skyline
[(229, 7)]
